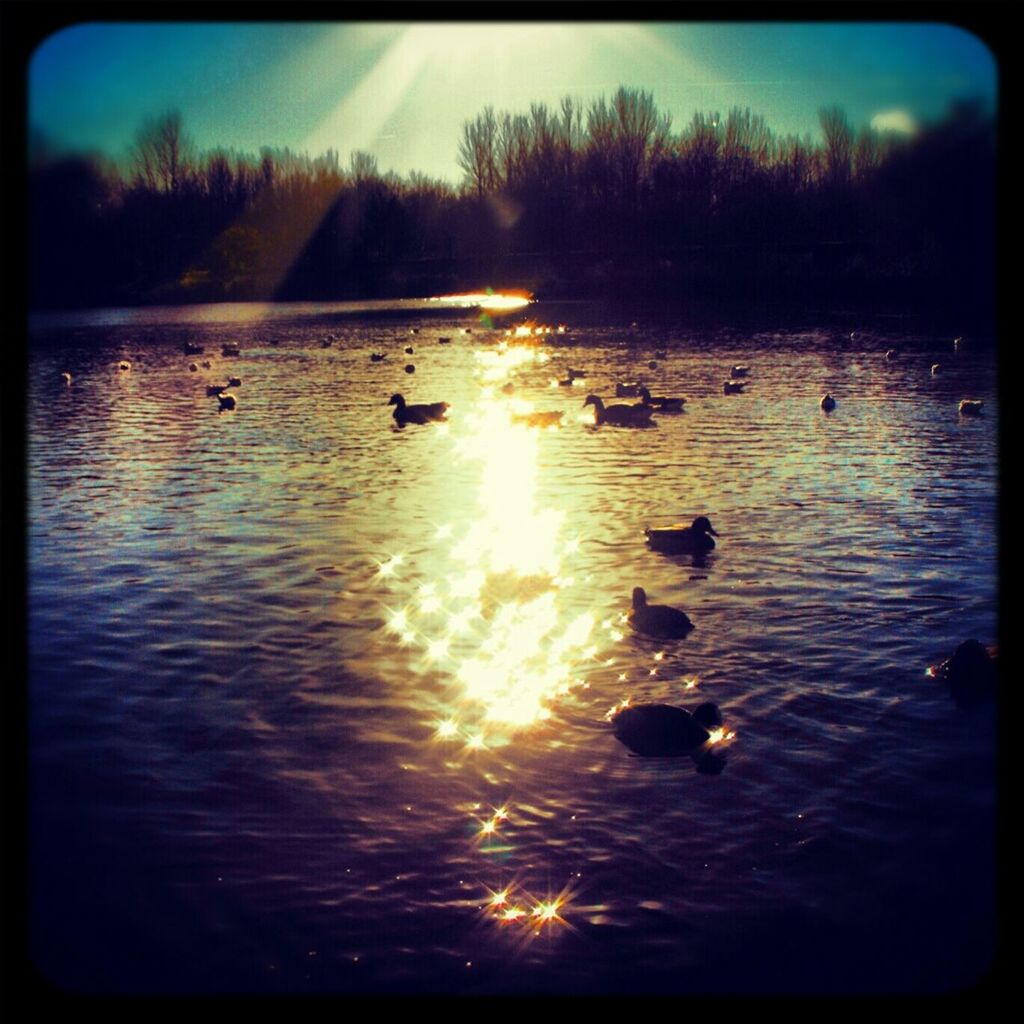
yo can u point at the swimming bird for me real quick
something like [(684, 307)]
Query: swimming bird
[(414, 330), (652, 365), (326, 342), (892, 353), (443, 341), (619, 415), (417, 413), (67, 377), (739, 371), (410, 368), (935, 369), (376, 357), (628, 390), (205, 364), (657, 619), (694, 539), (408, 350), (234, 382), (573, 374), (190, 348), (124, 365), (734, 387), (227, 400), (828, 403), (192, 368), (661, 730), (230, 349), (661, 403), (213, 390), (661, 354), (970, 674), (538, 419), (970, 407)]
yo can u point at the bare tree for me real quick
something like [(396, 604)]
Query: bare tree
[(838, 137), (162, 154)]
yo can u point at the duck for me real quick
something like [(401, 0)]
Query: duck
[(661, 354), (410, 368), (230, 349), (657, 619), (891, 353), (326, 342), (970, 673), (193, 368), (734, 387), (619, 415), (213, 390), (828, 403), (66, 377), (739, 371), (408, 350), (190, 348), (935, 369), (205, 364), (414, 330), (435, 411), (696, 538), (628, 390), (662, 730), (443, 341), (970, 407), (376, 357), (227, 400), (652, 365), (234, 382), (573, 374), (538, 419), (661, 403), (124, 365)]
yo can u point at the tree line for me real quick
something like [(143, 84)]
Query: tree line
[(582, 199)]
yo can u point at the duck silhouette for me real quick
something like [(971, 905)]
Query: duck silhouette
[(739, 371), (661, 403), (619, 415), (662, 730), (631, 390), (970, 407), (697, 538), (733, 387), (434, 412), (828, 403), (657, 619), (970, 673)]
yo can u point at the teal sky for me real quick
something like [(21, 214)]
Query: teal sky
[(402, 91)]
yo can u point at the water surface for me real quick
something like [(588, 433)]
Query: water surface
[(319, 705)]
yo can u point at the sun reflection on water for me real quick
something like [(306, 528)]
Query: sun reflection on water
[(499, 616)]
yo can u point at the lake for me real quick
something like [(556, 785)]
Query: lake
[(320, 705)]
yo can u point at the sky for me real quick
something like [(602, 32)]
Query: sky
[(402, 91)]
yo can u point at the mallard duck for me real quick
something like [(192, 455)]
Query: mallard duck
[(661, 403), (733, 387), (417, 413), (739, 371), (828, 403), (619, 415), (657, 619), (227, 400), (538, 419), (696, 538), (661, 730), (970, 407)]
